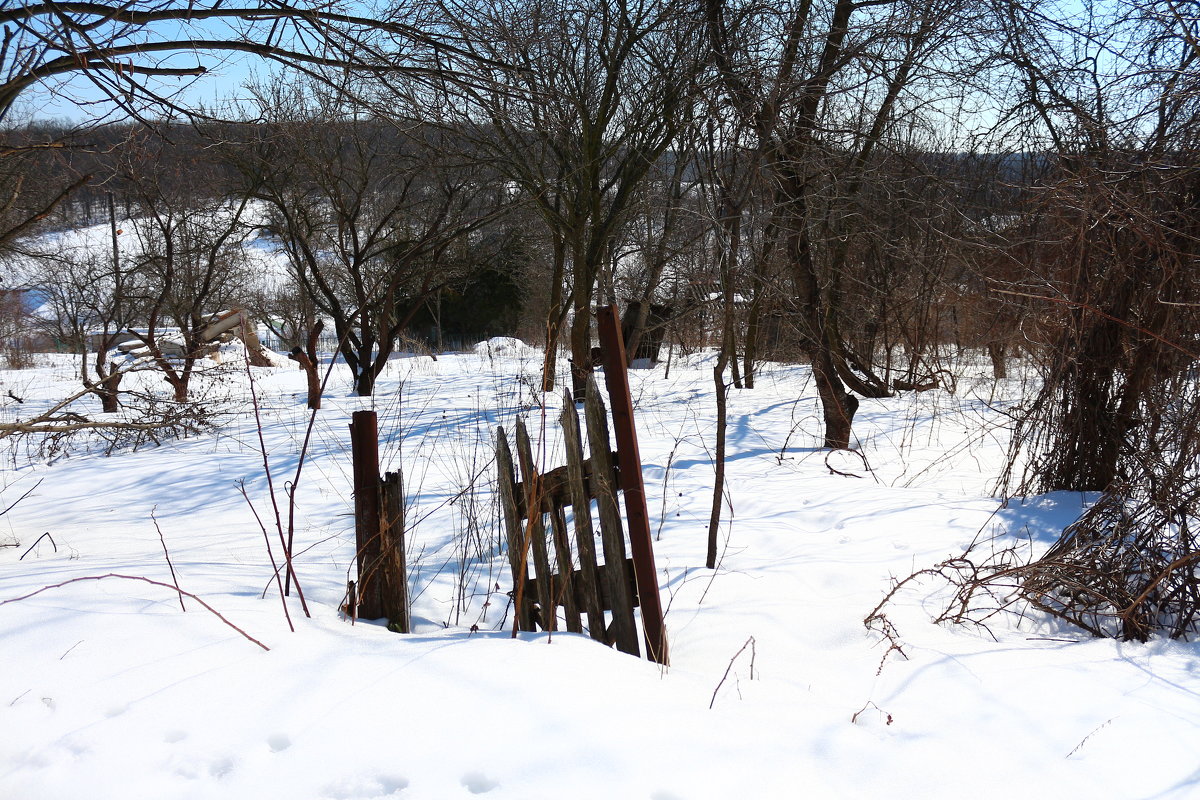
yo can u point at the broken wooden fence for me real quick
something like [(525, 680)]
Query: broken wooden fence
[(574, 578)]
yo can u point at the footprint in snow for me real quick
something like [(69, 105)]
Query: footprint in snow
[(478, 783), (279, 742), (391, 784), (379, 786), (171, 737)]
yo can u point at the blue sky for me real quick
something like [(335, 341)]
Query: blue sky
[(77, 99)]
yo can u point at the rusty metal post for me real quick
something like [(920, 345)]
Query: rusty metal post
[(364, 446), (616, 379)]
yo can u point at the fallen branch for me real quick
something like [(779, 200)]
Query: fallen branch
[(72, 423)]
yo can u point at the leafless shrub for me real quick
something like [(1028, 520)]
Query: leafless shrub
[(1126, 569)]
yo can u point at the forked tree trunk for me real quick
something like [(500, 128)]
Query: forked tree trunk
[(837, 405), (364, 384)]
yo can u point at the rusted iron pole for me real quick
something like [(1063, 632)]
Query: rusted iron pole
[(616, 379), (364, 446)]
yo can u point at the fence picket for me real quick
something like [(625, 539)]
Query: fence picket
[(535, 530), (589, 574), (612, 536), (513, 532)]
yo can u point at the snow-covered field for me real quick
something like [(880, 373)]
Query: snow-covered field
[(109, 690)]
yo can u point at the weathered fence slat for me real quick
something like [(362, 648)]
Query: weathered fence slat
[(612, 537), (393, 563), (565, 594), (589, 575), (535, 530), (513, 532)]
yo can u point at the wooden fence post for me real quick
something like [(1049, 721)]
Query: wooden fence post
[(394, 563), (535, 531)]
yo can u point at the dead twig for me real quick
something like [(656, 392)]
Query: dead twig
[(285, 543), (869, 704), (84, 578), (35, 544), (22, 497), (1083, 741), (271, 555), (833, 471), (748, 643), (167, 555)]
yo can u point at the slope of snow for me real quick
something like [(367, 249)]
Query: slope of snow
[(109, 690)]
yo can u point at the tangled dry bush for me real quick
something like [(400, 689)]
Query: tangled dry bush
[(1128, 568), (1117, 412)]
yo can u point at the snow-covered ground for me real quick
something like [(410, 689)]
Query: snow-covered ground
[(109, 690)]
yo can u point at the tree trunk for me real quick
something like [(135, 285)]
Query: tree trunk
[(714, 518), (364, 383), (107, 391), (837, 405), (581, 348), (996, 354), (555, 317), (633, 328)]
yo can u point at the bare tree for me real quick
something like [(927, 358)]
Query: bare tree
[(190, 257), (372, 220), (809, 122), (589, 98), (138, 59), (91, 297), (126, 51), (1111, 235)]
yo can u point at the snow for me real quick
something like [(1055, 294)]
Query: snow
[(109, 690), (502, 346)]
